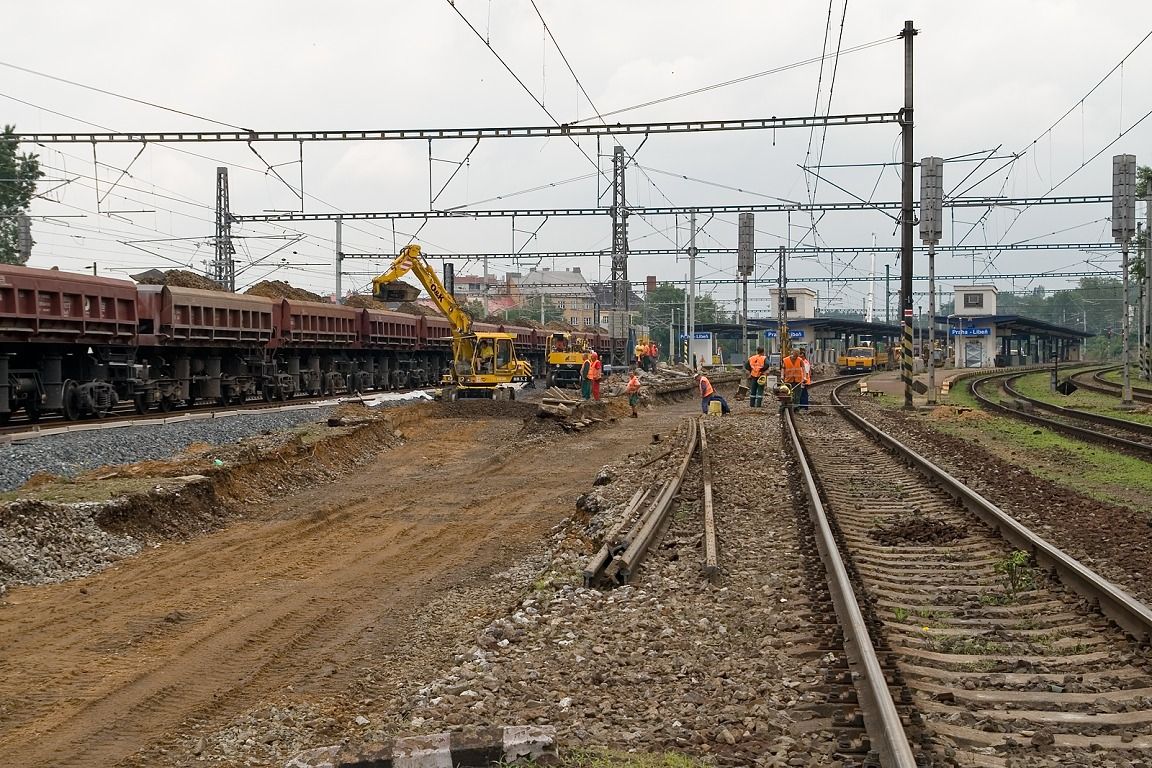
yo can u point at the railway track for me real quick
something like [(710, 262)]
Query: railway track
[(1094, 381), (126, 415), (974, 642), (643, 524), (1121, 434)]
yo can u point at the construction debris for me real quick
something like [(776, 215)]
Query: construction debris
[(179, 278), (278, 289)]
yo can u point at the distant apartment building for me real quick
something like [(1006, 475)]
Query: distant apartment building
[(566, 290)]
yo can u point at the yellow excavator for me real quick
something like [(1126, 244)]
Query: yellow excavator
[(484, 364)]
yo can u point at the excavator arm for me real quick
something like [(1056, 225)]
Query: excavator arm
[(410, 260)]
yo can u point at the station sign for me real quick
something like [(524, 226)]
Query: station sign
[(970, 331), (700, 335), (791, 334)]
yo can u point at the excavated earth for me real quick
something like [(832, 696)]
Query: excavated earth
[(420, 573)]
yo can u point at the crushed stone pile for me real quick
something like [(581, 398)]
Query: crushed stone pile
[(278, 289), (42, 542), (181, 278)]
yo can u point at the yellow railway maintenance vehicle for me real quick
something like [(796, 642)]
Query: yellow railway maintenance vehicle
[(484, 364), (565, 356), (860, 360)]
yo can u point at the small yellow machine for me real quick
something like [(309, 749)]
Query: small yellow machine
[(565, 356), (483, 364)]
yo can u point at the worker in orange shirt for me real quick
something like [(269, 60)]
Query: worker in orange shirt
[(595, 374), (755, 366), (792, 371), (708, 393), (633, 390), (806, 382)]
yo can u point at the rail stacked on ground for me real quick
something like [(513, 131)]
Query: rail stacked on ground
[(78, 345)]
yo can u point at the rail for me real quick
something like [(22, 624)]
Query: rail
[(1130, 614), (1082, 433), (879, 710), (620, 555)]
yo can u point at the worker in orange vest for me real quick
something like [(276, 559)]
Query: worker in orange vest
[(595, 374), (792, 371), (633, 390), (755, 367), (708, 393), (806, 382)]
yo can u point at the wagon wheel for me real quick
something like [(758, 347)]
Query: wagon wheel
[(140, 400), (32, 410), (166, 404), (70, 401)]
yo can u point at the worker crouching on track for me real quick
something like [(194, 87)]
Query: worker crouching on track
[(708, 393), (633, 391), (755, 367)]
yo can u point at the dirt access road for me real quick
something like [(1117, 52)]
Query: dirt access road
[(300, 596)]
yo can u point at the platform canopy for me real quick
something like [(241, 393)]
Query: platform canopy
[(1015, 325)]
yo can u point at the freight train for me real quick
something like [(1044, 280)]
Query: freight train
[(78, 345)]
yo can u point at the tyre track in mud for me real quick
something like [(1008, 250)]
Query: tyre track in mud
[(95, 671)]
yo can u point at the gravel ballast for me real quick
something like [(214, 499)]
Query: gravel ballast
[(72, 453)]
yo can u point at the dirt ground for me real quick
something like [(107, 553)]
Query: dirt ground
[(299, 597)]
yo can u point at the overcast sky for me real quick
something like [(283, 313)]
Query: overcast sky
[(988, 75)]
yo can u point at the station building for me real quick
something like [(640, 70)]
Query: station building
[(974, 336)]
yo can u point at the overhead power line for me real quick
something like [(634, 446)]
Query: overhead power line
[(568, 130), (119, 95), (975, 202)]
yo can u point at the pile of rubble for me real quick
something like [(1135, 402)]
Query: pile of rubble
[(364, 301), (570, 412), (180, 278), (278, 289)]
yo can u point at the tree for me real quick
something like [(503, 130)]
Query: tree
[(1143, 181), (474, 309), (530, 310), (18, 175)]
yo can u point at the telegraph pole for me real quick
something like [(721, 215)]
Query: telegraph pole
[(223, 268), (782, 312), (1147, 314), (745, 265), (906, 124), (1123, 225), (339, 262), (620, 288), (931, 228), (692, 285)]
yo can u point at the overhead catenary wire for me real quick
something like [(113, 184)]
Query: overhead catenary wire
[(119, 96)]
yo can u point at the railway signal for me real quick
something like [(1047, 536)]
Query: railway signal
[(1123, 227)]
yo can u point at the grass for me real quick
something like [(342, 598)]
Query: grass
[(612, 759), (1101, 474), (968, 646), (64, 490), (1035, 385)]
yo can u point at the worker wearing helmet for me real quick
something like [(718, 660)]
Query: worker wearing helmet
[(595, 374)]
